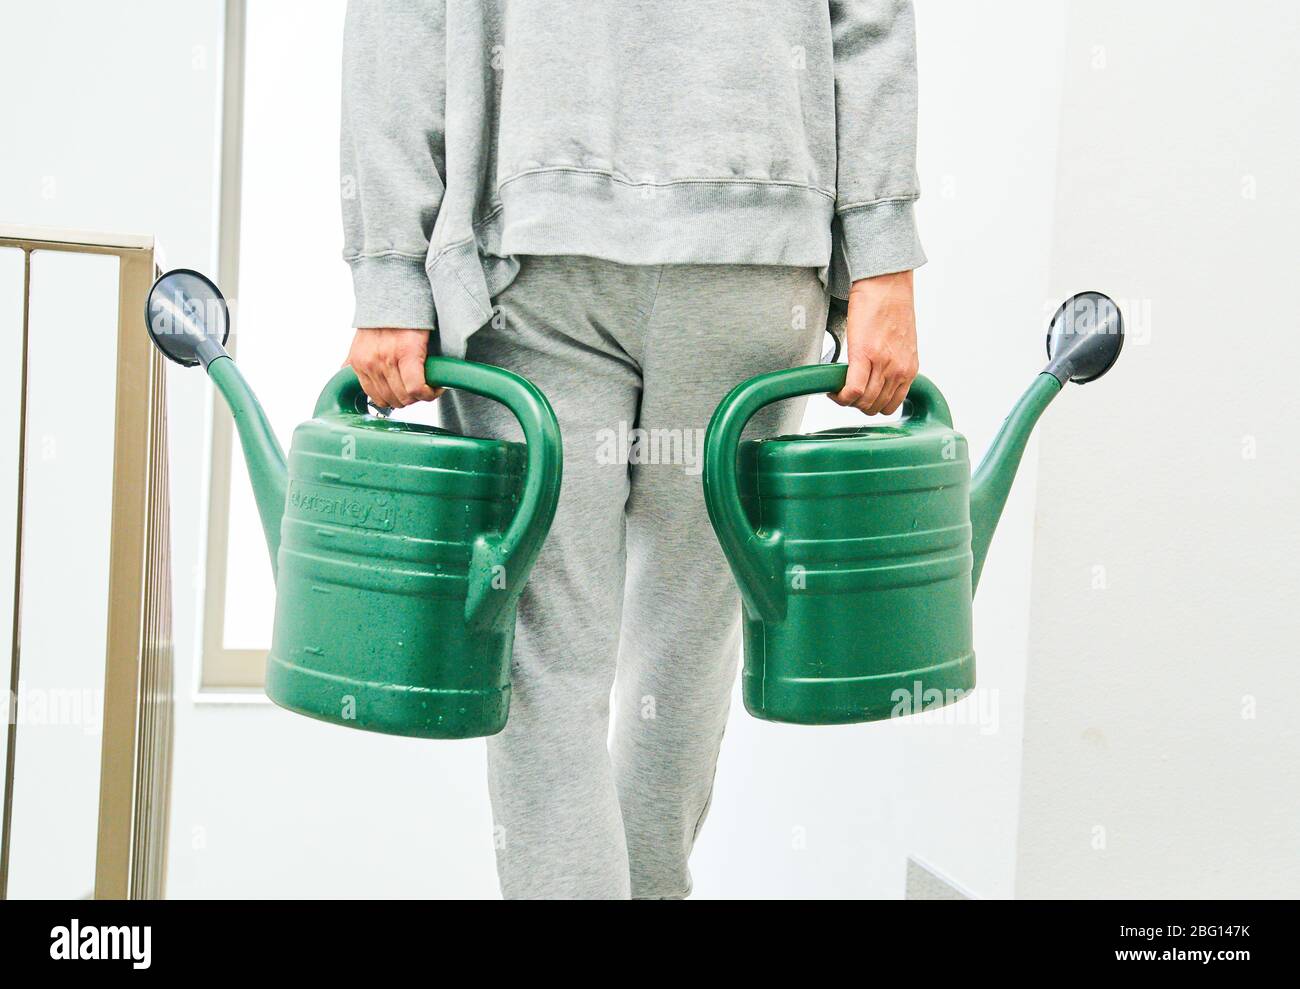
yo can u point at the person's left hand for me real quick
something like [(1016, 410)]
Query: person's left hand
[(880, 344)]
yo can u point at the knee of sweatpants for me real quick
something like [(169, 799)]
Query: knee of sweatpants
[(551, 708)]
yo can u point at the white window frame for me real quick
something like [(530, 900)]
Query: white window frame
[(221, 668)]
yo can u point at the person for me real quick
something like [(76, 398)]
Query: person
[(636, 204)]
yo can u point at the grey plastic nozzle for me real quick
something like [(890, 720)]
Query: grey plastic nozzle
[(1084, 338), (187, 318)]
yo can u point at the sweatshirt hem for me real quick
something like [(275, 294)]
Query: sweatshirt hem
[(591, 214), (688, 222)]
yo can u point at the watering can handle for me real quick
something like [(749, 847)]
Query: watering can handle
[(501, 562), (756, 556)]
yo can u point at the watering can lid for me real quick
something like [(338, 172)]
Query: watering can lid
[(902, 443), (401, 444)]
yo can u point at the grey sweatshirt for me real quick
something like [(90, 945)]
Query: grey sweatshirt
[(643, 132)]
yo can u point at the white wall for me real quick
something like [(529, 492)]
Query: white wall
[(1161, 750)]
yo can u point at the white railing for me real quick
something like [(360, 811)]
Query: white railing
[(136, 739)]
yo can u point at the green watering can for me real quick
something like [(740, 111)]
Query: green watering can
[(399, 550), (857, 550)]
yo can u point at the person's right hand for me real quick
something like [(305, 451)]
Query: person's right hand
[(880, 341), (390, 366)]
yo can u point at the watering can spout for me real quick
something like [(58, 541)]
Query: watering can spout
[(262, 451), (1083, 342), (187, 317), (992, 481)]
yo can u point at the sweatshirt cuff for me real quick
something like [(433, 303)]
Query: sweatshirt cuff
[(392, 291), (876, 239)]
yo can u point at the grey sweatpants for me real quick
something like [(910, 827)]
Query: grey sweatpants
[(631, 589)]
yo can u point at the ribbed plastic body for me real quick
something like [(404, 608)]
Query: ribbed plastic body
[(379, 527), (875, 540)]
